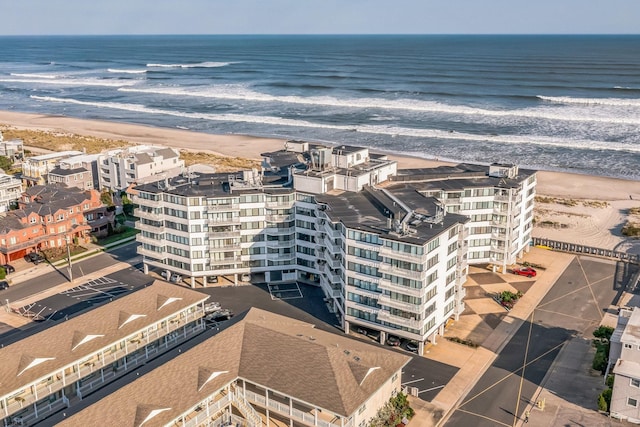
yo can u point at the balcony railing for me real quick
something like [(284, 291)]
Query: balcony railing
[(397, 320), (142, 213), (223, 234), (280, 243), (150, 228), (150, 253), (388, 301), (223, 208), (279, 230), (148, 202), (417, 259), (280, 204), (225, 221), (209, 410), (105, 359), (392, 287), (415, 275), (295, 414), (280, 218)]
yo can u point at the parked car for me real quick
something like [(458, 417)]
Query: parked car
[(4, 285), (524, 271), (176, 278), (211, 307), (413, 346), (8, 268), (212, 279), (34, 257), (245, 277), (393, 341), (219, 315), (165, 274), (362, 331)]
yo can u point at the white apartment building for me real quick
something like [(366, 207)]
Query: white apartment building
[(12, 148), (53, 369), (119, 168), (498, 202), (624, 357), (10, 192), (388, 255), (261, 369)]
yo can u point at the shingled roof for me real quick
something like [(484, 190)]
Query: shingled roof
[(39, 354), (331, 371)]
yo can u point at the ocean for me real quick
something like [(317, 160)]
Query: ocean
[(563, 103)]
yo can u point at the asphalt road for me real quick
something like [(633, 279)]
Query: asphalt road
[(574, 307), (79, 269)]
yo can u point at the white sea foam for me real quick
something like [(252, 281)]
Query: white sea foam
[(207, 64), (123, 71), (371, 129), (616, 102), (36, 75), (73, 82), (241, 93)]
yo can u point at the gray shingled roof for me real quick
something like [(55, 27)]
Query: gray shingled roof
[(291, 357), (59, 341), (167, 153)]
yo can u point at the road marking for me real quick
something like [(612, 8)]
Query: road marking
[(485, 417), (413, 381), (432, 388)]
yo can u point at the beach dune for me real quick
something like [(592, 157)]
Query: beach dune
[(582, 223)]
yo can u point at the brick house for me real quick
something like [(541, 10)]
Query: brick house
[(46, 217)]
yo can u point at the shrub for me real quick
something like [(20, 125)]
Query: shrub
[(600, 360), (603, 332), (3, 273), (602, 404)]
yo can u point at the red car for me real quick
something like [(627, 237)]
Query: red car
[(525, 271)]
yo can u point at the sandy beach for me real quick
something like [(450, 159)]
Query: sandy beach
[(586, 223)]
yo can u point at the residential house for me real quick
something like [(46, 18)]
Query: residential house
[(35, 169), (47, 217), (624, 359), (77, 171)]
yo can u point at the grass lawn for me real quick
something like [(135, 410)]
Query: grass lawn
[(124, 233)]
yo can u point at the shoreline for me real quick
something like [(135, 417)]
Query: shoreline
[(575, 222), (550, 183)]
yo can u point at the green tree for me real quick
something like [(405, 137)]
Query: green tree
[(603, 332), (602, 403), (106, 198), (3, 273), (5, 163)]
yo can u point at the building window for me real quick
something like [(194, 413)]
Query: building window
[(627, 345), (635, 382), (632, 402)]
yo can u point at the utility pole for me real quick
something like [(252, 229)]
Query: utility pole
[(69, 259)]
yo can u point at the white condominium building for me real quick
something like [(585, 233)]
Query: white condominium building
[(388, 255), (119, 168), (498, 201)]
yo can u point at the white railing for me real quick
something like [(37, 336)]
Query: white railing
[(209, 410), (225, 207), (150, 228), (148, 202), (283, 205), (222, 234), (416, 259), (387, 300), (415, 275), (141, 213), (393, 287), (280, 218), (410, 323)]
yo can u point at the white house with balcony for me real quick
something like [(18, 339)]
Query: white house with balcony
[(624, 362), (10, 191)]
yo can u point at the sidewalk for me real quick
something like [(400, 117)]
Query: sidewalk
[(474, 362)]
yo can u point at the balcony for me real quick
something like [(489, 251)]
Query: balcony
[(277, 231), (415, 275), (280, 204), (226, 247), (280, 218), (397, 320), (227, 260), (390, 302), (142, 213), (148, 202), (417, 259), (225, 221), (229, 207), (151, 254), (280, 243), (223, 234), (392, 287), (158, 229)]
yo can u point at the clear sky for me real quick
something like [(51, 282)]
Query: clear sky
[(34, 17)]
